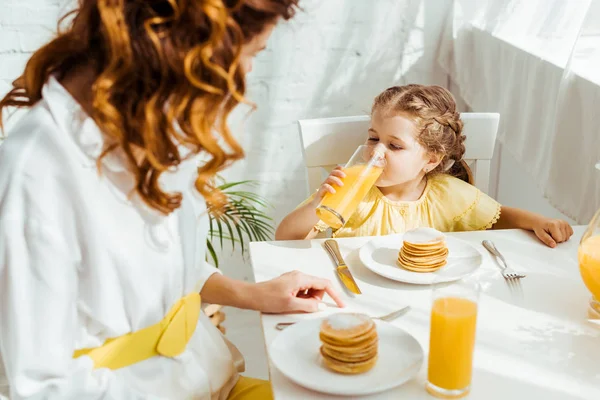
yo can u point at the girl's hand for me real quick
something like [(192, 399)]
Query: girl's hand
[(334, 179), (552, 231)]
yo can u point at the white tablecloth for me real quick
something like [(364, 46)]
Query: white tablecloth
[(539, 346)]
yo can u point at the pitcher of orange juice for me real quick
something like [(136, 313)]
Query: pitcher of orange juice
[(452, 338), (589, 264), (362, 171)]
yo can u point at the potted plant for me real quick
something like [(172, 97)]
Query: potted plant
[(243, 219)]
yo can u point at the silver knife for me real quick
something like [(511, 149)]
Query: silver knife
[(342, 269)]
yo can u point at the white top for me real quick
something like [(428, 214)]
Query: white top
[(80, 262)]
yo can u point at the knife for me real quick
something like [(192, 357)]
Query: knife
[(342, 269)]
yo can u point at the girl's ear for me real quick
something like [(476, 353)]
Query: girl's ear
[(434, 161)]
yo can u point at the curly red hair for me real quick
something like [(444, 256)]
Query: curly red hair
[(167, 73)]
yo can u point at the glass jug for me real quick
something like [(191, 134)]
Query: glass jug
[(589, 262)]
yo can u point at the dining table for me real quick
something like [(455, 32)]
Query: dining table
[(534, 339)]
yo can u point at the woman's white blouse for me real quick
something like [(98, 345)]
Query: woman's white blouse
[(81, 261)]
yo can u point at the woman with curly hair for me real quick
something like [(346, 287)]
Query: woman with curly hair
[(104, 187)]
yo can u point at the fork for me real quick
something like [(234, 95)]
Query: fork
[(388, 317), (507, 272)]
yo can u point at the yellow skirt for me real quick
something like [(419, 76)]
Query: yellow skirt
[(251, 389)]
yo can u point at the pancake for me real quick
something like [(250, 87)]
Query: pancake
[(349, 368), (423, 250), (349, 343)]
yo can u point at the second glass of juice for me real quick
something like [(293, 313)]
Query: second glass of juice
[(452, 338), (589, 264), (362, 171)]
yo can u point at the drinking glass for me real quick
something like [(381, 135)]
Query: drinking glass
[(452, 338), (362, 171)]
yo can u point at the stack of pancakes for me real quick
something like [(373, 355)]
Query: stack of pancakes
[(424, 250), (349, 343)]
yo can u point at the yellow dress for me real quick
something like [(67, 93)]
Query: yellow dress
[(447, 204)]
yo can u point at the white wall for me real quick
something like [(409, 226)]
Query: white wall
[(517, 188), (24, 26), (510, 183), (331, 60)]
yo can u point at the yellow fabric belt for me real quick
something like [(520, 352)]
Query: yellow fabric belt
[(167, 338)]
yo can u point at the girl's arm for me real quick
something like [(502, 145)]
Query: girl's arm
[(548, 230), (299, 224)]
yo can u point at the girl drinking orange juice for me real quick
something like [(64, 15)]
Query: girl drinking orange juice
[(425, 180)]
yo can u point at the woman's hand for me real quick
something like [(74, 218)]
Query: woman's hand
[(552, 231), (293, 292)]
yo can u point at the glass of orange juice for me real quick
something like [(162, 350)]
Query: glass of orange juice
[(362, 171), (589, 264), (452, 338)]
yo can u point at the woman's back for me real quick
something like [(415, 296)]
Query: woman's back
[(78, 250)]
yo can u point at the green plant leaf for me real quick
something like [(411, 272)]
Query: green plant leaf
[(212, 252), (220, 227), (240, 235), (251, 197), (243, 218), (229, 185), (230, 232)]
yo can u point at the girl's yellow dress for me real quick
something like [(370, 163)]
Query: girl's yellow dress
[(447, 204)]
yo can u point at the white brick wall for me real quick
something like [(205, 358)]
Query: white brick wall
[(331, 60), (25, 25)]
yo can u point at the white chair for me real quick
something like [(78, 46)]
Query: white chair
[(328, 142)]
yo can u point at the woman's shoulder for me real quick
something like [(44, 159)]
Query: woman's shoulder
[(32, 162), (30, 142)]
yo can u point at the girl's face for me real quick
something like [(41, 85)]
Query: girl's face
[(406, 158)]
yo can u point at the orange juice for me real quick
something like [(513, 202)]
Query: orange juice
[(451, 343), (357, 183), (589, 264)]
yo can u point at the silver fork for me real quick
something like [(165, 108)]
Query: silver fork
[(507, 272), (388, 317)]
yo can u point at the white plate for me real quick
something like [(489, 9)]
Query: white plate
[(295, 352), (381, 254)]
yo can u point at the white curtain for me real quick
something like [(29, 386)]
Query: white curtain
[(572, 178), (537, 62)]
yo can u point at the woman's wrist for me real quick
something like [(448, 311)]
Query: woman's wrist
[(226, 291), (251, 296), (246, 295)]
